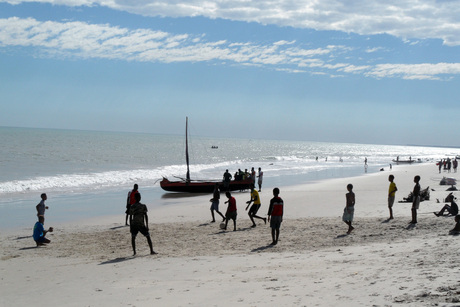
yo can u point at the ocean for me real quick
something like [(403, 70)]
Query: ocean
[(88, 173)]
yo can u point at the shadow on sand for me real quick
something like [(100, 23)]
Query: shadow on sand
[(31, 247), (117, 260), (118, 227), (21, 238), (262, 248)]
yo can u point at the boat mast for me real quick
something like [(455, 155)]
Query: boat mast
[(186, 149)]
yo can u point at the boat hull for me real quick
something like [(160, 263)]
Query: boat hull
[(403, 161), (203, 186)]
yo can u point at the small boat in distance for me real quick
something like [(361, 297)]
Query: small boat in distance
[(186, 185), (398, 161)]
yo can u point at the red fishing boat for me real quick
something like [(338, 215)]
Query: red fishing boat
[(186, 185)]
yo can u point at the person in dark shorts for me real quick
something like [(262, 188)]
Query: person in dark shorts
[(139, 222), (227, 179), (215, 203), (349, 210), (40, 232), (131, 199), (255, 200), (275, 215), (231, 213), (416, 200)]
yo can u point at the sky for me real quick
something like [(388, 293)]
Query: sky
[(361, 71)]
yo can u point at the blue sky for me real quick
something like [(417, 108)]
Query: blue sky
[(382, 72)]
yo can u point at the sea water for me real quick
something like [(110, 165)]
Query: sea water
[(88, 173)]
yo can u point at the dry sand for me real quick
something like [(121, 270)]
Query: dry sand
[(382, 263)]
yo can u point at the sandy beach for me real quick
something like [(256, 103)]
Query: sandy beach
[(381, 263)]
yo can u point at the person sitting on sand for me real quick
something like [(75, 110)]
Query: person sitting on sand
[(40, 232), (349, 210), (231, 210), (255, 199), (452, 209), (137, 217), (215, 203), (456, 229), (275, 215)]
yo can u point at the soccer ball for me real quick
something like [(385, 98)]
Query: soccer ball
[(222, 225)]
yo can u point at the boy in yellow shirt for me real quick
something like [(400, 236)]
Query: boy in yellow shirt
[(391, 195)]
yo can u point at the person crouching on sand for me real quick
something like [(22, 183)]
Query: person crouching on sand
[(40, 232), (231, 210), (349, 210)]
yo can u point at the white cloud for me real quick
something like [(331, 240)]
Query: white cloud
[(406, 19), (415, 71), (83, 40)]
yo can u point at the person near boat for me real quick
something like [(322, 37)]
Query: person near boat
[(260, 177), (227, 179)]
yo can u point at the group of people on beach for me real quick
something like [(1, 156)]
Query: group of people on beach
[(240, 175), (274, 214), (448, 164), (451, 209), (136, 212)]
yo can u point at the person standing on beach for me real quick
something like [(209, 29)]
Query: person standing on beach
[(139, 222), (215, 203), (255, 199), (131, 199), (391, 194), (231, 210), (41, 207), (253, 176), (261, 178), (275, 215), (227, 178), (415, 200), (349, 210)]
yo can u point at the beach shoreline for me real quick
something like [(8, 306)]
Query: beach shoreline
[(382, 263)]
